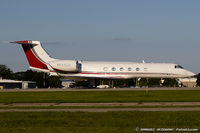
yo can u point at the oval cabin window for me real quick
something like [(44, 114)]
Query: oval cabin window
[(105, 69), (129, 69), (113, 69), (121, 69), (137, 69)]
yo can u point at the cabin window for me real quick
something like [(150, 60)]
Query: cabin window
[(121, 69), (129, 69), (178, 67), (105, 69), (113, 68), (137, 69), (145, 69)]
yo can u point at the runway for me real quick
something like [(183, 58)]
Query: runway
[(100, 109), (134, 104)]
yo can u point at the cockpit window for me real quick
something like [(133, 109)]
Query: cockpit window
[(179, 66)]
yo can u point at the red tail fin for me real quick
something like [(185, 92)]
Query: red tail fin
[(35, 54), (33, 60)]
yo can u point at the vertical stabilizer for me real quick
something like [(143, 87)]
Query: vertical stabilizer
[(37, 57)]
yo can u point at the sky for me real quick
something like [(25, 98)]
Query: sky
[(103, 30)]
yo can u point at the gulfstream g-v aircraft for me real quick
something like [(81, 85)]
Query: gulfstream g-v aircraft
[(74, 69)]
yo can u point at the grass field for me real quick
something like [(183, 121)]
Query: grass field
[(115, 122), (90, 122), (101, 96)]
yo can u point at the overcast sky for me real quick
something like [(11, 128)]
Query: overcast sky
[(103, 30)]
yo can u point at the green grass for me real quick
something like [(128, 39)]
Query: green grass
[(112, 122), (101, 96)]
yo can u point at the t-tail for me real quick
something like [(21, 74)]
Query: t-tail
[(37, 57)]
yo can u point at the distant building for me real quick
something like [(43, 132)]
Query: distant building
[(10, 84), (66, 83), (188, 82)]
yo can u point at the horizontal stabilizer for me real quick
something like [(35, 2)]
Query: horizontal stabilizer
[(26, 42)]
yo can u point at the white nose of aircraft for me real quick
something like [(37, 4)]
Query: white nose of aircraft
[(189, 74)]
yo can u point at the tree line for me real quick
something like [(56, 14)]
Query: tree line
[(42, 80)]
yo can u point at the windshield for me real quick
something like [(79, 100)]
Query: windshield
[(178, 66)]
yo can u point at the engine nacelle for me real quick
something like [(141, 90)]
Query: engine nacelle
[(65, 66)]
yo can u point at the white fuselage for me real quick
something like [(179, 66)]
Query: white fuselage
[(127, 70), (72, 69)]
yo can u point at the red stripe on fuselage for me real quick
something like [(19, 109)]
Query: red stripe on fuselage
[(124, 73), (33, 61), (107, 73)]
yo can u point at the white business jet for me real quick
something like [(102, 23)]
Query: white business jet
[(74, 69)]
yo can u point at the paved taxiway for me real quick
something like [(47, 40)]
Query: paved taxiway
[(136, 104), (100, 109), (146, 106)]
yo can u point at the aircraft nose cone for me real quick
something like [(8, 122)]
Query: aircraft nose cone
[(190, 74)]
